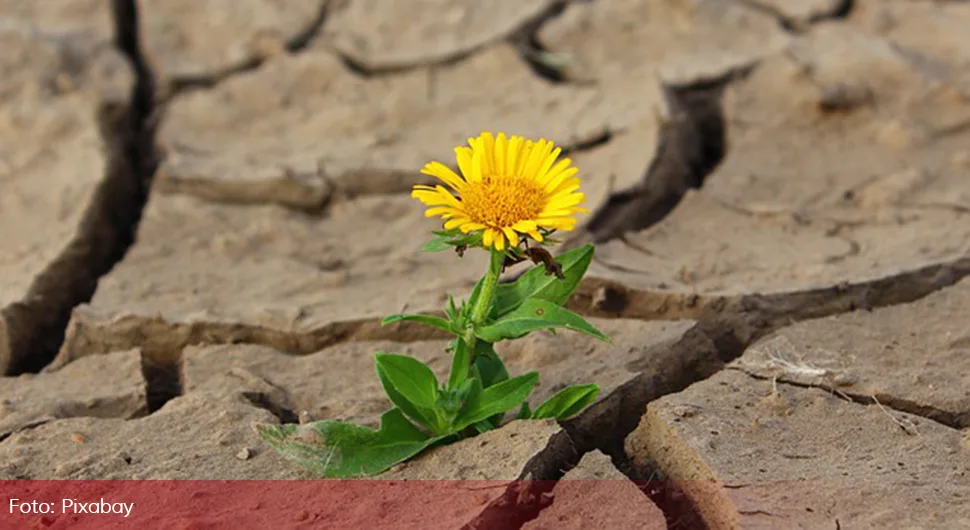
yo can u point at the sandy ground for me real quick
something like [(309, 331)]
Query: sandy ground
[(205, 225)]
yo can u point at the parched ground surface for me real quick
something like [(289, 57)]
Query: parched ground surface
[(203, 225)]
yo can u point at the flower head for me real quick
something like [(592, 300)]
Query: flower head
[(507, 187)]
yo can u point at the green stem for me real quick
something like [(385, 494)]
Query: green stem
[(484, 303)]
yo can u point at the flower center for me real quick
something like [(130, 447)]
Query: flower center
[(502, 201)]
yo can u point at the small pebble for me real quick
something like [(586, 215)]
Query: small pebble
[(244, 454)]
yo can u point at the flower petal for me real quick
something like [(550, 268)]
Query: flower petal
[(464, 157), (438, 197), (547, 163), (549, 214), (536, 157), (567, 186), (430, 198), (443, 172), (501, 154), (513, 237), (456, 222), (499, 240), (512, 162), (560, 177), (438, 210), (554, 172), (565, 202), (471, 227), (486, 144), (523, 159), (488, 237), (477, 165), (525, 226), (559, 223)]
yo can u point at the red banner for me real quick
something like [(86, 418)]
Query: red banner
[(199, 505)]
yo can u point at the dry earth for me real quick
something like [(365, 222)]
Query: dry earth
[(205, 212)]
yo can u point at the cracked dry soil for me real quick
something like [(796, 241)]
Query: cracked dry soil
[(205, 212)]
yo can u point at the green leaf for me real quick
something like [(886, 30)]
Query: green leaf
[(473, 297), (451, 311), (446, 239), (471, 401), (484, 426), (567, 402), (460, 363), (411, 377), (490, 367), (535, 283), (491, 370), (437, 244), (496, 399), (533, 315), (429, 320), (343, 450), (423, 414), (524, 412), (450, 403)]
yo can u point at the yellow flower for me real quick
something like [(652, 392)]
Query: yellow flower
[(508, 186)]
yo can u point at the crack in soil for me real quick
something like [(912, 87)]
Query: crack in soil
[(719, 338), (162, 343), (691, 144), (946, 418), (27, 427), (267, 403), (526, 497), (162, 371), (840, 11), (679, 511), (110, 222), (295, 44), (540, 59), (520, 38), (597, 297), (159, 335)]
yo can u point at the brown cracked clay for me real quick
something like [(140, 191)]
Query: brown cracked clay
[(335, 383), (931, 33), (802, 12), (842, 124), (594, 494), (103, 386), (880, 356), (51, 165), (162, 446), (678, 41), (189, 41), (382, 35), (256, 137), (209, 273), (751, 454), (835, 175)]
